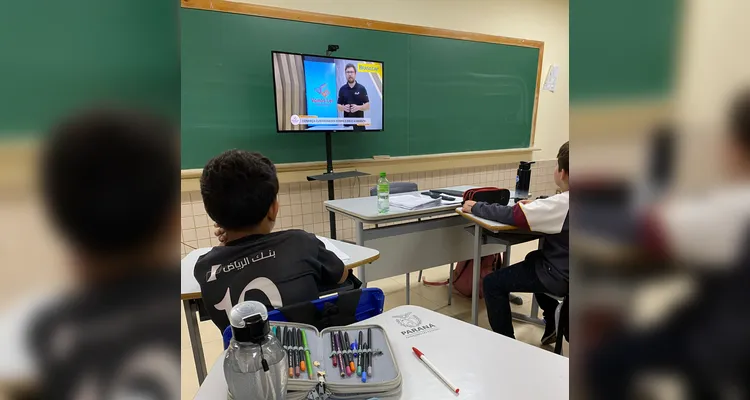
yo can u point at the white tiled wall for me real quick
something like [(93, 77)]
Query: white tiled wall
[(302, 202)]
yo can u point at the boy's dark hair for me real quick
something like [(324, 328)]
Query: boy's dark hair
[(238, 188), (350, 65), (110, 178), (740, 120), (563, 158)]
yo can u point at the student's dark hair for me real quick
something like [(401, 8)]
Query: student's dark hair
[(740, 120), (238, 188), (563, 158), (350, 65), (110, 178)]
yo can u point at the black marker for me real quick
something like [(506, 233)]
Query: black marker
[(363, 359), (348, 356), (301, 350), (288, 353)]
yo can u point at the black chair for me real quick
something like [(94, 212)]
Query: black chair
[(562, 315)]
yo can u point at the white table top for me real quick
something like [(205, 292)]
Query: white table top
[(490, 225), (481, 363), (190, 289), (365, 208)]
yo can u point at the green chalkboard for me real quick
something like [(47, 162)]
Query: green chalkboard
[(60, 56), (623, 49), (440, 95)]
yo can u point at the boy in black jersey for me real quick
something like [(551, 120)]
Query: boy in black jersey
[(239, 192)]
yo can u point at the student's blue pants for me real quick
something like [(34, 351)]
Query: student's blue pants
[(519, 278)]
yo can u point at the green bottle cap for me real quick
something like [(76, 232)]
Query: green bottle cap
[(382, 174)]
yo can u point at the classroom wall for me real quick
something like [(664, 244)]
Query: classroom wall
[(545, 20), (302, 202)]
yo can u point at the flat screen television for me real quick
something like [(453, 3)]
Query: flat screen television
[(315, 93)]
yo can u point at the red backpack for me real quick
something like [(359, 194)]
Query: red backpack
[(464, 273)]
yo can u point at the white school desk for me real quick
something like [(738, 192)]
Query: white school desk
[(435, 236), (515, 236), (190, 292), (481, 363)]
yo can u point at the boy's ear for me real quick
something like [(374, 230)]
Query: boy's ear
[(273, 211)]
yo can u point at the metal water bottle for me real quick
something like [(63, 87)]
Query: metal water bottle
[(523, 179)]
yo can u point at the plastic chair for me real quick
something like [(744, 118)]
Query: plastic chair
[(370, 304)]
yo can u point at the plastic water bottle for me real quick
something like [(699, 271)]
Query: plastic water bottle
[(255, 365), (384, 190)]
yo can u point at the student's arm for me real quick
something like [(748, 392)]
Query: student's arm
[(541, 215), (331, 268)]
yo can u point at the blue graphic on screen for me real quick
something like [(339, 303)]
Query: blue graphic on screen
[(320, 86)]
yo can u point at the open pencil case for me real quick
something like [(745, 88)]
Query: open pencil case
[(385, 378)]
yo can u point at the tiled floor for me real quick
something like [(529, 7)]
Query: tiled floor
[(432, 297)]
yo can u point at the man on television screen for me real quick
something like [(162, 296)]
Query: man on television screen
[(353, 100)]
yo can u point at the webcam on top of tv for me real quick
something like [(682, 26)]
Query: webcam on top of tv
[(331, 49)]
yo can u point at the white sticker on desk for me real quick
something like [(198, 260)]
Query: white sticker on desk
[(414, 325)]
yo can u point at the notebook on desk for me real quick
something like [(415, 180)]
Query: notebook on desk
[(413, 202)]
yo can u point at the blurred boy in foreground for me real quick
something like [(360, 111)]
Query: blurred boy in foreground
[(110, 180), (704, 343)]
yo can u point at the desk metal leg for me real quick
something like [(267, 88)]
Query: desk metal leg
[(408, 289), (475, 277), (195, 339), (450, 285), (359, 230), (534, 313)]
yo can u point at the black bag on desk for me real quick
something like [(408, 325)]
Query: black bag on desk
[(491, 195)]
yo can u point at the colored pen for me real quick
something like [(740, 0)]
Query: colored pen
[(360, 341), (364, 362), (333, 349), (351, 357), (338, 355), (277, 332), (302, 366), (361, 357), (344, 355), (369, 354), (289, 353), (434, 369), (297, 345), (307, 354)]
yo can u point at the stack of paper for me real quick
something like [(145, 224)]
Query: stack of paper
[(414, 202)]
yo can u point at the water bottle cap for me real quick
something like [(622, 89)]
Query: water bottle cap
[(249, 321), (382, 174), (239, 313)]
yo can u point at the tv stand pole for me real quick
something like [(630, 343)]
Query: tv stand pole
[(329, 170), (329, 176)]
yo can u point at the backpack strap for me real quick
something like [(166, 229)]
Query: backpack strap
[(336, 312)]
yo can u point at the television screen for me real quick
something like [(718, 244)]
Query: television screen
[(315, 93)]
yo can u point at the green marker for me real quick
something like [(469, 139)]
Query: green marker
[(307, 355)]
